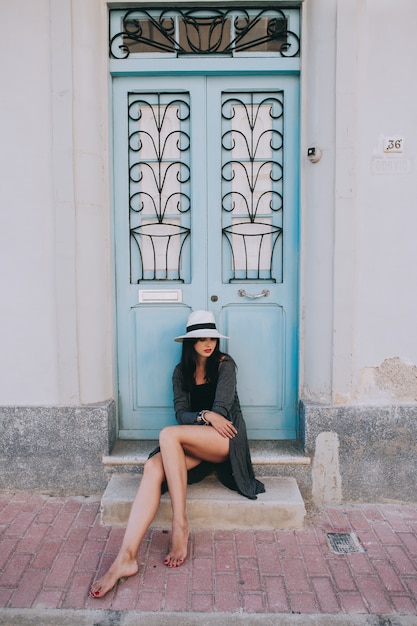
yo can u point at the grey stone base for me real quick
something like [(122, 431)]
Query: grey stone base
[(56, 450), (59, 450), (377, 451)]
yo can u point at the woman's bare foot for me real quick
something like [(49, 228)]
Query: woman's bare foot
[(121, 568), (178, 552)]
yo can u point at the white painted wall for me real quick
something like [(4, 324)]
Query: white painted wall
[(358, 300), (92, 199), (359, 252), (386, 250), (28, 353), (317, 199), (55, 251)]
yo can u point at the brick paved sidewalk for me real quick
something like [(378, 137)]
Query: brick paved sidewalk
[(52, 548)]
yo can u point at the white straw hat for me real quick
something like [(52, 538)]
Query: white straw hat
[(201, 324)]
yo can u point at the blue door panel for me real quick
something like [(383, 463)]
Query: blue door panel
[(257, 344), (258, 340), (152, 357), (222, 246), (152, 335)]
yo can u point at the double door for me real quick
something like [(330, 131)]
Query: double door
[(206, 217)]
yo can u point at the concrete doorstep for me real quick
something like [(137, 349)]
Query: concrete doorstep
[(210, 505)]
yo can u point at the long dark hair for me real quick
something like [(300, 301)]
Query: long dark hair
[(189, 363)]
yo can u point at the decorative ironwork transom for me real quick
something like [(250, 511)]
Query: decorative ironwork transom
[(204, 31), (159, 186), (252, 185)]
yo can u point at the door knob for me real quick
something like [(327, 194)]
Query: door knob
[(214, 298)]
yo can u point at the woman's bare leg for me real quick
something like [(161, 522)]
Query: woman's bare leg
[(144, 508), (178, 444), (174, 462), (189, 445)]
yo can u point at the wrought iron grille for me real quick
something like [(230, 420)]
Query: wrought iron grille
[(159, 186), (252, 185), (344, 543), (204, 31)]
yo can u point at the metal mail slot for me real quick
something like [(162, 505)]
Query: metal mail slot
[(160, 295)]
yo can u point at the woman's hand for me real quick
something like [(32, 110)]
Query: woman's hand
[(223, 426)]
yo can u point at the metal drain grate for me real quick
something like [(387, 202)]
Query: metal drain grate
[(344, 543)]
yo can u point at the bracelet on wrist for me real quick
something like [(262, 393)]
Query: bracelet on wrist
[(201, 419)]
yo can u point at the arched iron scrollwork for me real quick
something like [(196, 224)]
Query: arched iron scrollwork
[(252, 184), (159, 179), (204, 31)]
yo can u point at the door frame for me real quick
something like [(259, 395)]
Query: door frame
[(221, 67)]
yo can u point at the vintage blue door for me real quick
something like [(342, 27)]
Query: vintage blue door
[(206, 217)]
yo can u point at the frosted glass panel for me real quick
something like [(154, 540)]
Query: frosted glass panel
[(252, 185), (159, 186)]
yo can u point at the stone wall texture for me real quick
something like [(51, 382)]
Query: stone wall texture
[(377, 457), (56, 450)]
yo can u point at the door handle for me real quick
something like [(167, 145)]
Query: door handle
[(264, 294)]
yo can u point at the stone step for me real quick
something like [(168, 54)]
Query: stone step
[(210, 505), (268, 457)]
